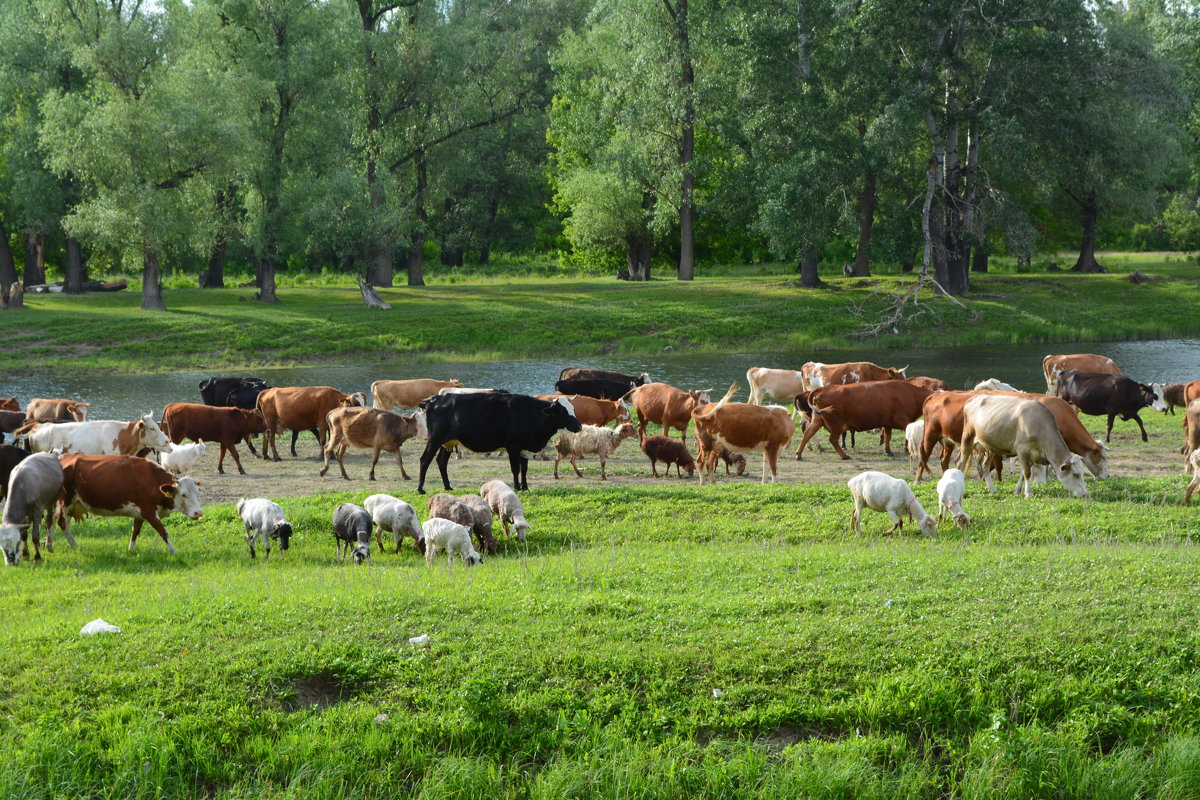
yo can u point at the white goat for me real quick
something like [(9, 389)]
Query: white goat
[(180, 458), (507, 506), (395, 515), (601, 442), (262, 517), (950, 491), (880, 492), (914, 434), (994, 385), (442, 534)]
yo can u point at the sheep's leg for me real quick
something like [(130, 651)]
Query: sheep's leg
[(575, 465), (654, 467), (603, 473), (898, 523), (856, 516), (1187, 498), (557, 458), (250, 539), (379, 538)]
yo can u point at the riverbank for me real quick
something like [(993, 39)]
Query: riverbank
[(583, 317)]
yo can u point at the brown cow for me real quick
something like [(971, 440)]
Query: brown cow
[(124, 486), (224, 425), (590, 411), (932, 384), (1191, 428), (9, 404), (864, 406), (407, 394), (1191, 391), (1084, 362), (854, 372), (10, 421), (741, 426), (57, 410), (665, 405), (301, 408), (943, 413), (371, 429), (1175, 395)]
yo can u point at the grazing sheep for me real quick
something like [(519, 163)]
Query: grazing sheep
[(994, 385), (669, 451), (914, 434), (468, 510), (950, 491), (262, 517), (397, 516), (180, 458), (592, 439), (1194, 460), (880, 492), (33, 486), (352, 527), (444, 534), (505, 504)]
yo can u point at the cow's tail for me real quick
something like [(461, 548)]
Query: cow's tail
[(720, 403), (26, 429), (625, 398)]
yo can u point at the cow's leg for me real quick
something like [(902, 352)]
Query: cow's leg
[(236, 459), (1138, 420), (64, 522), (809, 432), (887, 440), (770, 457), (833, 440), (1187, 497), (400, 461), (1108, 433), (325, 453), (431, 448), (342, 447), (274, 446), (443, 459), (295, 435), (249, 440), (137, 528), (374, 461)]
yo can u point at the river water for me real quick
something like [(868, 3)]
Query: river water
[(125, 396)]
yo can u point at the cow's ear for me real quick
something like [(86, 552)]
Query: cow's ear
[(168, 490)]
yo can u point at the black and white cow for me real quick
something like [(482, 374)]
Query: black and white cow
[(33, 486), (517, 423), (1100, 394), (594, 387)]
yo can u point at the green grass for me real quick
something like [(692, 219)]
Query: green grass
[(1050, 652), (501, 317)]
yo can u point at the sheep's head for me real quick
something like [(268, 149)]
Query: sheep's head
[(471, 559), (928, 526), (361, 554), (283, 532), (962, 520), (10, 542)]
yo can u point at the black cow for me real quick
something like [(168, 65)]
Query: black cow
[(239, 393), (9, 457), (585, 374), (594, 387), (484, 423), (1098, 393)]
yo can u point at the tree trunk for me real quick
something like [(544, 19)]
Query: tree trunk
[(152, 292), (906, 266), (380, 248), (979, 261), (953, 277), (214, 276), (266, 280), (687, 237), (8, 267), (35, 264), (866, 210), (808, 269), (1090, 213), (73, 276), (637, 256), (416, 255), (485, 253), (485, 247)]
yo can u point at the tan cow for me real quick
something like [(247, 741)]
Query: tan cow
[(301, 408), (780, 384), (856, 372), (368, 429), (744, 427), (665, 405), (57, 409), (590, 411), (408, 393), (1191, 428), (1084, 362)]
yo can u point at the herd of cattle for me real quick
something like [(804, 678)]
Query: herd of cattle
[(65, 466)]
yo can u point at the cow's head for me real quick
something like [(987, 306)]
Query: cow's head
[(1158, 401), (78, 411), (1097, 460), (10, 543), (455, 382), (1070, 475), (184, 497), (701, 396), (150, 435), (898, 374), (282, 532), (563, 414)]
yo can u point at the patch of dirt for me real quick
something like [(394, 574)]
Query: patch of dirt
[(320, 690)]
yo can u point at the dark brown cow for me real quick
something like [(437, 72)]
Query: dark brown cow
[(665, 405), (590, 411), (57, 410), (301, 408), (857, 372), (1175, 395), (865, 406), (10, 421), (9, 457), (371, 429), (224, 425)]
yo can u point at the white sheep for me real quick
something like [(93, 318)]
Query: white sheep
[(507, 506), (914, 434), (950, 491), (180, 458), (591, 440), (442, 534), (395, 515), (880, 492), (262, 517), (994, 385)]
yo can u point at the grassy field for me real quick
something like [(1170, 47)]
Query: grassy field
[(510, 318), (655, 639)]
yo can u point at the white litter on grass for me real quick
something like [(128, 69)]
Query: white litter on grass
[(419, 641), (718, 693), (98, 626)]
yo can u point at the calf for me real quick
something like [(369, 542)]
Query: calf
[(368, 429), (880, 492), (57, 409), (665, 405), (669, 451), (591, 440), (505, 504), (124, 486), (408, 393), (9, 458), (862, 407), (1052, 365), (301, 408), (33, 486), (520, 424), (1098, 394), (469, 510), (352, 528), (98, 437), (454, 539), (224, 425), (590, 411), (950, 491), (180, 458), (261, 517), (392, 514), (742, 426)]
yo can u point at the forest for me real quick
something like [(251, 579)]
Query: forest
[(641, 138)]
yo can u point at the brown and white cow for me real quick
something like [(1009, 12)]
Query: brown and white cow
[(1084, 362), (57, 410), (301, 408), (665, 405), (854, 372), (124, 486), (887, 404), (98, 437), (224, 425), (744, 427), (590, 411), (408, 393), (373, 429), (780, 384)]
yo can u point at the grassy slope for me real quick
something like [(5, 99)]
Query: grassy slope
[(542, 316)]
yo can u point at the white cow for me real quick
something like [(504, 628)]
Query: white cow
[(96, 437)]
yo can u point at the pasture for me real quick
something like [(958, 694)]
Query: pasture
[(655, 639)]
